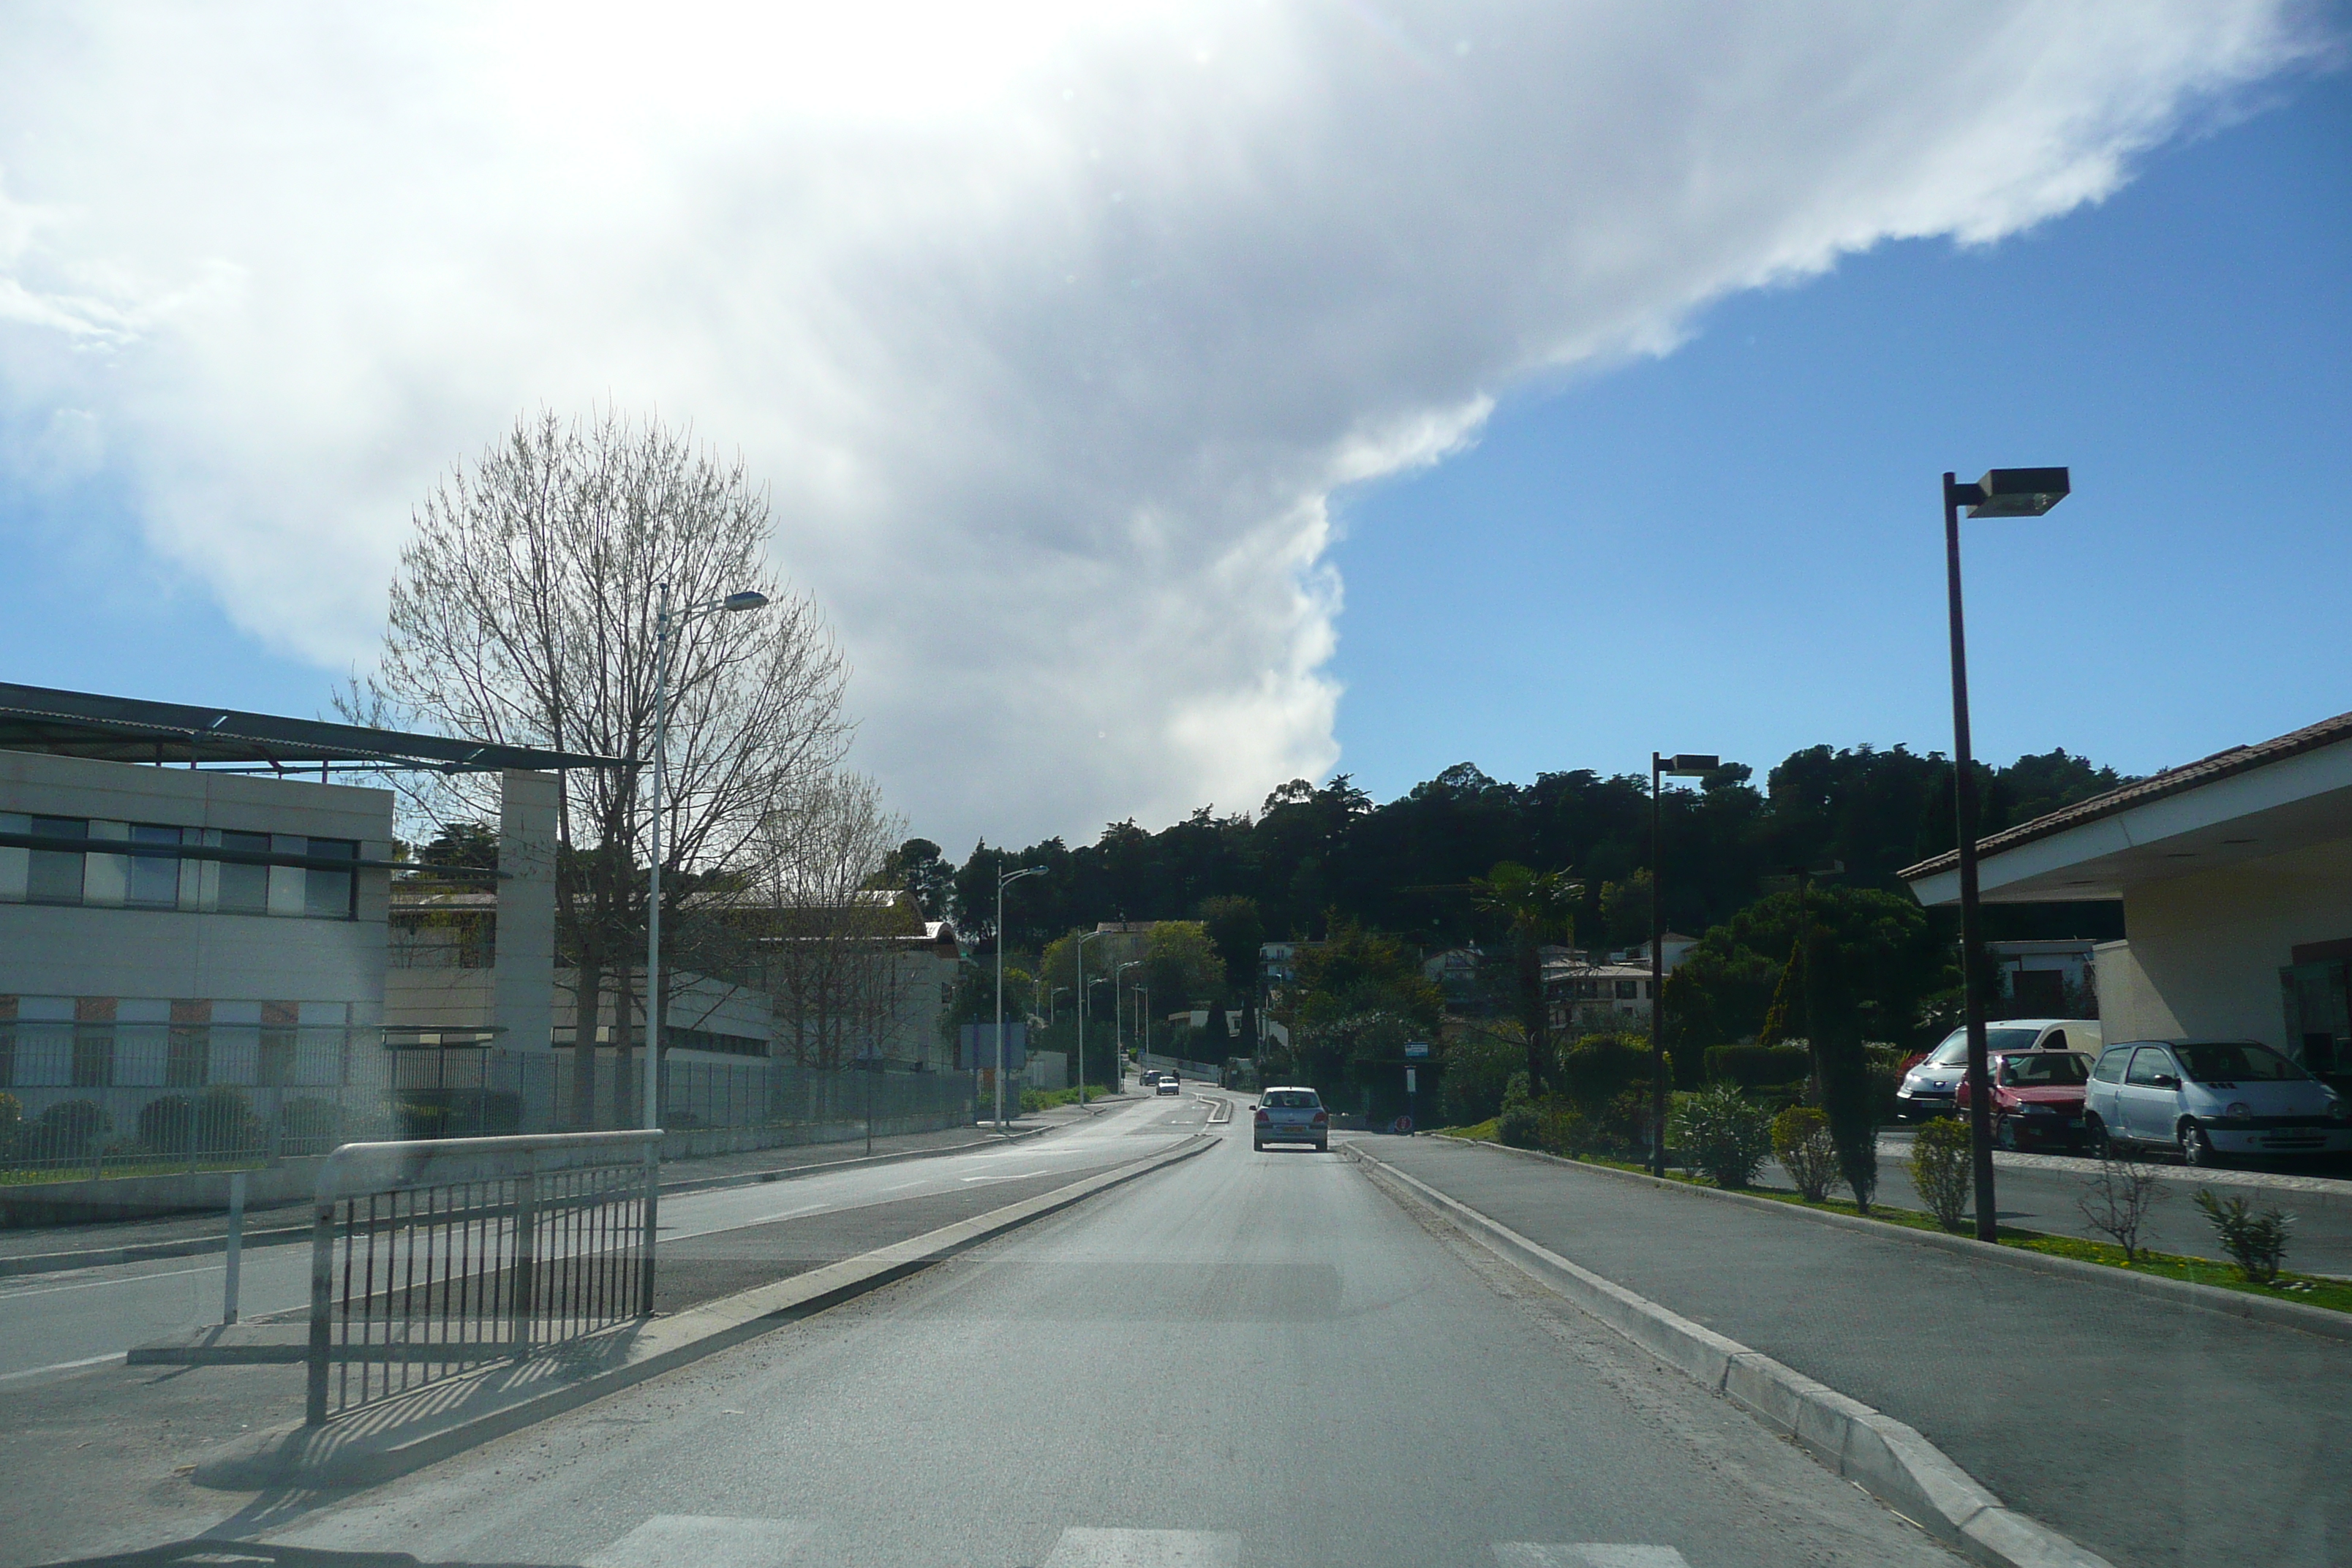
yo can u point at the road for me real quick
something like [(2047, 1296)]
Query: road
[(1246, 1358), (50, 1321)]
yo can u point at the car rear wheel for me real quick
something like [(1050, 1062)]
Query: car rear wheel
[(2196, 1149), (2096, 1139), (2004, 1134)]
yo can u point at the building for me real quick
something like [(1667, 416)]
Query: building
[(1583, 996), (2046, 979), (2235, 878), (183, 907)]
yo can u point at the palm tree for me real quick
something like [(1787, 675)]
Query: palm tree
[(1537, 906)]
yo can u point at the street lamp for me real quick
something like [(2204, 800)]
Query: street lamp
[(666, 621), (1142, 1020), (1004, 879), (1119, 1047), (1084, 938), (1681, 765), (2002, 492)]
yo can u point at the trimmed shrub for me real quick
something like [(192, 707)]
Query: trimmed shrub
[(2256, 1241), (1941, 1170), (70, 1129), (226, 1123), (1802, 1142), (1595, 1069), (167, 1123), (1720, 1132), (1758, 1066), (1478, 1069)]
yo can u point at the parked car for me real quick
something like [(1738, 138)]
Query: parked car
[(1291, 1116), (1930, 1081), (2210, 1099), (1166, 1083), (2037, 1097)]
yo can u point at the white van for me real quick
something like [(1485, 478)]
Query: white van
[(1928, 1088)]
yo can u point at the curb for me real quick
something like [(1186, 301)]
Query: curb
[(2319, 1320), (198, 1246), (354, 1455), (1885, 1457)]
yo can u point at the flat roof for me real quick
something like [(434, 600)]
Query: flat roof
[(2243, 804), (130, 730)]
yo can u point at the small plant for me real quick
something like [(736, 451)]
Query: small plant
[(2256, 1241), (1940, 1170), (1802, 1142), (2118, 1199), (1722, 1133)]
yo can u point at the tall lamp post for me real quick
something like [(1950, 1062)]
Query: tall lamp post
[(1084, 938), (1003, 880), (1142, 1020), (666, 622), (1681, 765), (1119, 1047), (2002, 492)]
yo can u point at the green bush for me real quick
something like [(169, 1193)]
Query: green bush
[(1802, 1142), (1520, 1125), (1595, 1069), (70, 1129), (1942, 1170), (168, 1123), (1478, 1069), (2256, 1241), (226, 1123), (1720, 1132), (1758, 1066)]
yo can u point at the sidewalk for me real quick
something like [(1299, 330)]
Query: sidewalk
[(38, 1249), (2154, 1435)]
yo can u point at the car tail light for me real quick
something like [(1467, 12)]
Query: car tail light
[(1262, 1116), (1320, 1116)]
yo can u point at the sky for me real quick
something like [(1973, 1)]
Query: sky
[(1163, 402)]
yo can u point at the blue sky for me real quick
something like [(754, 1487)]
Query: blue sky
[(1738, 547)]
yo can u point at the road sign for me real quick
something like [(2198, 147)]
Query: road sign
[(1416, 1047), (1410, 1086), (976, 1047)]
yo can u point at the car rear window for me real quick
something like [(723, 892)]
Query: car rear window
[(1954, 1051), (2034, 1069), (1292, 1099)]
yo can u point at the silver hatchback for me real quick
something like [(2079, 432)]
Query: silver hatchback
[(1291, 1116)]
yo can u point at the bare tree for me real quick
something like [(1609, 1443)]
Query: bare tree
[(2118, 1199), (524, 610)]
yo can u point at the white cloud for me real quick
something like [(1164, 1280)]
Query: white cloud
[(1054, 329)]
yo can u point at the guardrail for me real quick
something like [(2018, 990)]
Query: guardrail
[(433, 1257)]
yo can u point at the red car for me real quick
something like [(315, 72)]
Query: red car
[(2037, 1097)]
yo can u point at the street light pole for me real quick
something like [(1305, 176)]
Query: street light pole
[(1003, 879), (1118, 1047), (1682, 764), (664, 624), (2002, 492), (1084, 938)]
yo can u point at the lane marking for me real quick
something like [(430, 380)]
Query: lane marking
[(1146, 1549), (1012, 1176), (706, 1540), (63, 1366), (121, 1279), (1585, 1555)]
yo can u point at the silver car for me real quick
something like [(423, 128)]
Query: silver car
[(1291, 1116), (1927, 1089), (2213, 1099)]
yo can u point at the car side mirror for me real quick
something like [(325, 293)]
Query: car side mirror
[(2165, 1080)]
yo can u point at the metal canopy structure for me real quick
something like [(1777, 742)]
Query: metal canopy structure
[(126, 729)]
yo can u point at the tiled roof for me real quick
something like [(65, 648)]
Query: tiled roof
[(2171, 782)]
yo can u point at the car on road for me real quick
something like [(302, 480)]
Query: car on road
[(2037, 1098), (1150, 1077), (1166, 1083), (2210, 1099), (1930, 1081), (1291, 1116)]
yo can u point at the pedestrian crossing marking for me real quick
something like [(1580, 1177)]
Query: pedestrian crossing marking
[(1080, 1548), (706, 1540), (1585, 1555)]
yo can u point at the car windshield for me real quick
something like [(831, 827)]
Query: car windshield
[(2235, 1061), (1292, 1099), (2042, 1070), (1954, 1051)]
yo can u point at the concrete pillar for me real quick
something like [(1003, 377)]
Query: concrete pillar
[(524, 978)]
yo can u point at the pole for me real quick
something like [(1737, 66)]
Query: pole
[(1082, 1019), (1657, 985), (1000, 999), (650, 1113), (1964, 810), (235, 1254)]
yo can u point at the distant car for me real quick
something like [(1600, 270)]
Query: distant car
[(1150, 1077), (1291, 1116), (1167, 1084), (2037, 1098), (2213, 1099), (1930, 1081)]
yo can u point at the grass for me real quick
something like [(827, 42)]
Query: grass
[(2310, 1291), (1046, 1098), (122, 1167)]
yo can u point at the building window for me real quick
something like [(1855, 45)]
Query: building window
[(1629, 990), (154, 879), (54, 876), (244, 889), (93, 1042)]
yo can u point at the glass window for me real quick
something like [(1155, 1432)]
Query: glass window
[(2111, 1064), (327, 895), (1629, 990), (54, 876), (1954, 1051), (2236, 1060), (244, 889), (13, 858), (2148, 1063), (1292, 1099), (2044, 1070), (155, 881)]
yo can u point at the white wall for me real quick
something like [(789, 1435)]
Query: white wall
[(2205, 947)]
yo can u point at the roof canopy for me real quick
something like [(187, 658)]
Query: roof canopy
[(125, 729), (2245, 804)]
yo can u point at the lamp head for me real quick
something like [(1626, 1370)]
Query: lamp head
[(2014, 493), (1690, 765), (747, 600)]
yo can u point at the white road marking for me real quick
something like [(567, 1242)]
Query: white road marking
[(1014, 1176), (706, 1540), (122, 1280), (1146, 1549), (1585, 1555), (62, 1366)]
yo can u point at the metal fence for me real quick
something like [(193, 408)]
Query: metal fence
[(433, 1257)]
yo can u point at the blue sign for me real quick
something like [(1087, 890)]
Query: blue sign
[(976, 1047), (1416, 1047)]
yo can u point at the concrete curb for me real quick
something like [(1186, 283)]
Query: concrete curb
[(1890, 1461), (199, 1246), (2319, 1320), (368, 1450)]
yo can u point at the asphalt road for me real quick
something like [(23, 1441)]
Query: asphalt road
[(53, 1321), (1244, 1359), (2038, 1192)]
